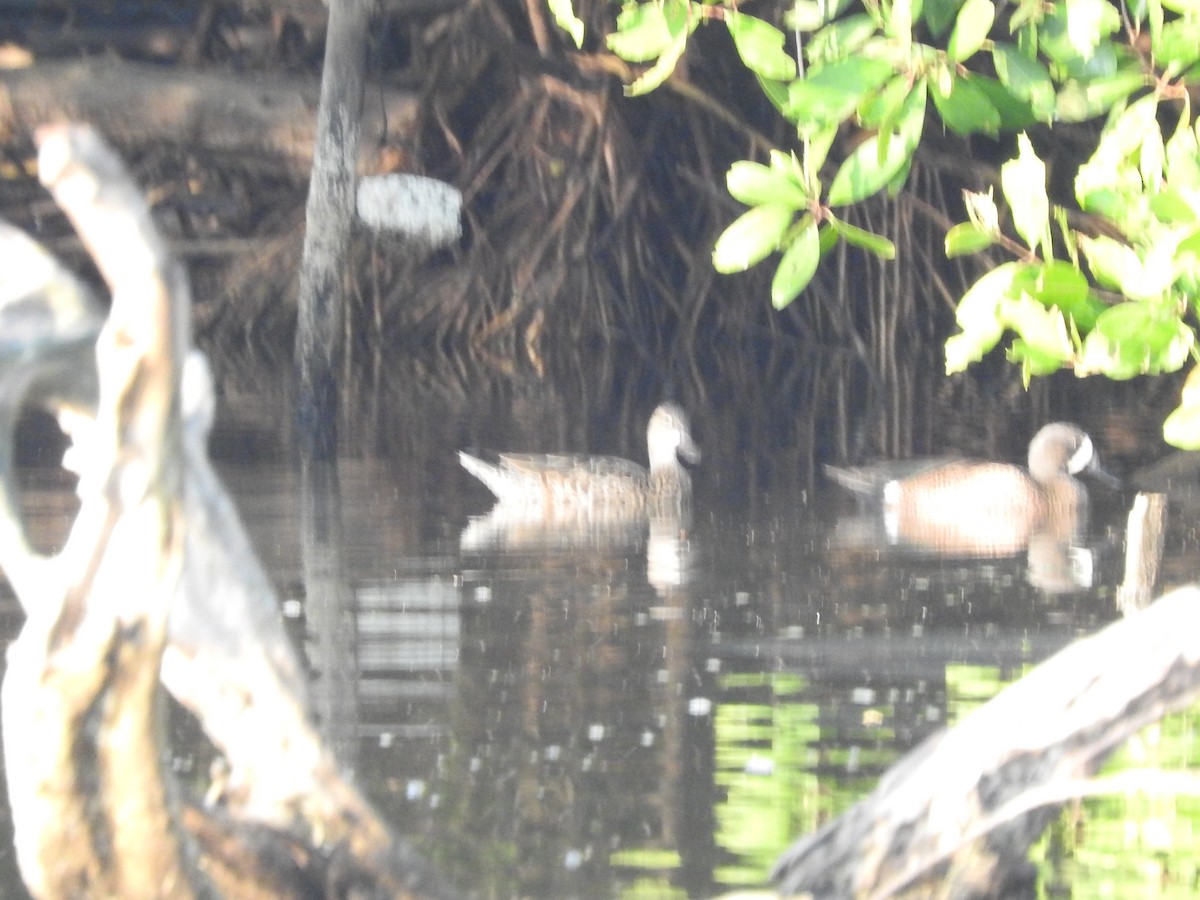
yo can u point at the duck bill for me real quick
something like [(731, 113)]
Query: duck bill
[(1102, 475)]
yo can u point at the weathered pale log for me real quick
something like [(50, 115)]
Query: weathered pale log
[(93, 808), (955, 818), (48, 327), (94, 811), (267, 117), (1143, 550)]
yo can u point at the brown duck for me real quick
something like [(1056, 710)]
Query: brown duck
[(566, 484), (962, 505)]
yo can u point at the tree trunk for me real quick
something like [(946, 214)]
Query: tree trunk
[(328, 217)]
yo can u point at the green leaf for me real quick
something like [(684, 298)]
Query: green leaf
[(1150, 159), (1124, 135), (966, 237), (1117, 265), (1024, 183), (1110, 261), (1174, 356), (1027, 11), (755, 184), (1182, 427), (805, 15), (1178, 46), (978, 315), (966, 109), (797, 267), (1042, 329), (1015, 114), (1116, 205), (865, 171), (982, 211), (760, 45), (787, 164), (1174, 207), (1059, 284), (1183, 157), (1033, 360), (1159, 341), (971, 29), (1044, 343), (828, 238), (1137, 339), (860, 237), (1102, 356), (1111, 183), (1189, 246), (1186, 265), (653, 30), (979, 306), (1078, 101), (831, 94), (564, 15), (1025, 78), (1065, 45), (660, 71), (897, 181), (840, 39), (965, 348), (938, 14), (642, 33), (884, 105), (898, 22), (1088, 22), (752, 237), (1154, 16), (816, 150), (776, 92)]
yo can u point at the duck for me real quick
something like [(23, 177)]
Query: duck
[(980, 506), (563, 484)]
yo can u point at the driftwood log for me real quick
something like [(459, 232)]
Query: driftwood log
[(956, 817), (270, 117), (157, 584)]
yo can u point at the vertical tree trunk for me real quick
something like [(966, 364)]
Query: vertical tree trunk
[(329, 215)]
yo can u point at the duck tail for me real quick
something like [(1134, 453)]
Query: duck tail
[(484, 471)]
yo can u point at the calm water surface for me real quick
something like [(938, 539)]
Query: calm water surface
[(601, 709)]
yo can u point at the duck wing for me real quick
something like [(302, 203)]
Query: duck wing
[(570, 465), (869, 480)]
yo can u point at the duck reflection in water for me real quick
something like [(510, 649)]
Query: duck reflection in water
[(961, 507), (557, 501)]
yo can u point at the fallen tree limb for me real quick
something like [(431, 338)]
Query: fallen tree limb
[(80, 695), (268, 117), (157, 568), (956, 817)]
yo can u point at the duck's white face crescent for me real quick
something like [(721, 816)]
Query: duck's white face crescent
[(1081, 458), (670, 436)]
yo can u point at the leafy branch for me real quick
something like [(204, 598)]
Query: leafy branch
[(1120, 300)]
